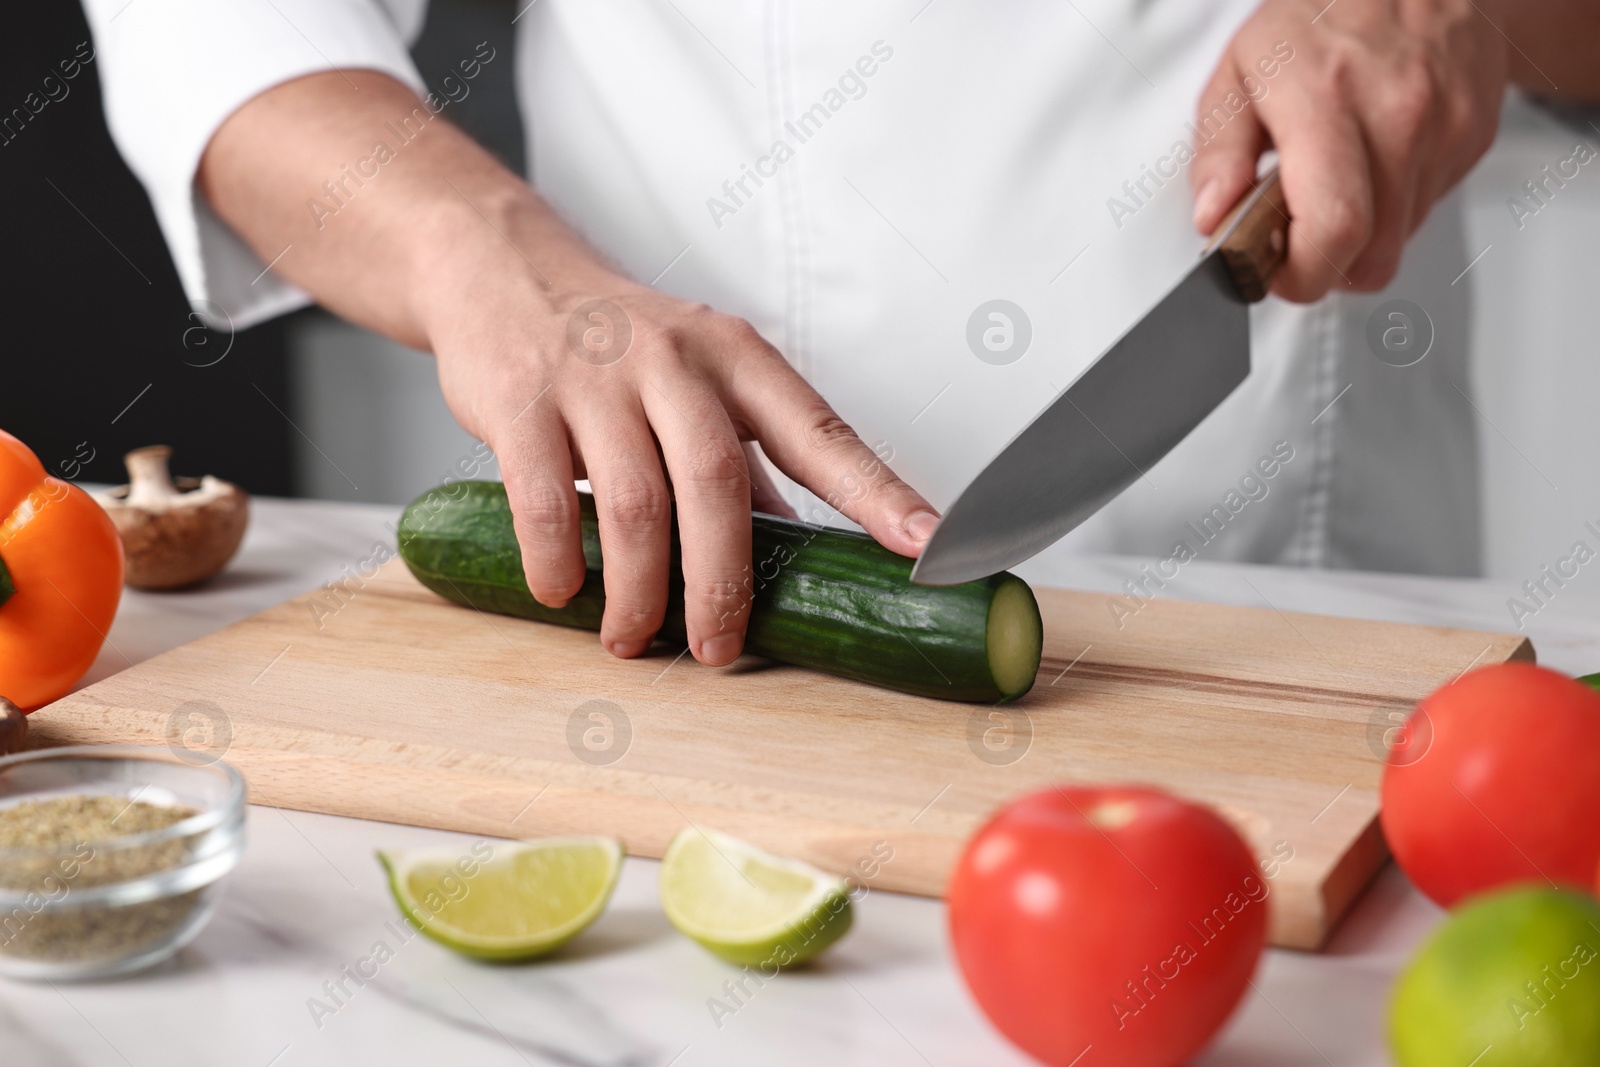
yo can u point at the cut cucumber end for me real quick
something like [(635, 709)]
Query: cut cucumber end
[(1015, 638)]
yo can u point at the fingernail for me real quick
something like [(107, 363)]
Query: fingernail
[(720, 649), (1205, 202), (628, 649), (920, 525)]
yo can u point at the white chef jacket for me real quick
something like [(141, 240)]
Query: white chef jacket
[(857, 179)]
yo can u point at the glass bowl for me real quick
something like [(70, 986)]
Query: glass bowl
[(95, 908)]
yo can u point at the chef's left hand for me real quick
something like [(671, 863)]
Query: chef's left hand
[(1383, 107)]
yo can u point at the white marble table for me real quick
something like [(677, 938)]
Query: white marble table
[(308, 900)]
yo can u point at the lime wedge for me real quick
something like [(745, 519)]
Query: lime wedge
[(506, 900), (749, 906)]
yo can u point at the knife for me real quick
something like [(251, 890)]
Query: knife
[(1128, 409)]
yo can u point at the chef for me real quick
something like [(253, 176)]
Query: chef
[(827, 257)]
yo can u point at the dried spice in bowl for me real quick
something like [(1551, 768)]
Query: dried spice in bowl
[(65, 830)]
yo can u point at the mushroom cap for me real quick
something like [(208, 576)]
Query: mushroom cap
[(180, 540)]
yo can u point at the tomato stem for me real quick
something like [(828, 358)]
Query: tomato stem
[(6, 585)]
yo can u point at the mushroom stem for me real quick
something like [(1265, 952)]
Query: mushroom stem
[(13, 727), (149, 481)]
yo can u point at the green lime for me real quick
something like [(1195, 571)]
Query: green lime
[(749, 906), (506, 900), (1511, 979)]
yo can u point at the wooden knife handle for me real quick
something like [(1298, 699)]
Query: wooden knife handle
[(1254, 237)]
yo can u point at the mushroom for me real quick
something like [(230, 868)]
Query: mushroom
[(175, 533), (13, 727)]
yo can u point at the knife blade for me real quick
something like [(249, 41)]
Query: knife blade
[(1132, 405)]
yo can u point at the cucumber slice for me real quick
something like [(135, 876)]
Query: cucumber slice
[(1014, 638)]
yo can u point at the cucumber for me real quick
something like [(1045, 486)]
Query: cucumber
[(832, 600)]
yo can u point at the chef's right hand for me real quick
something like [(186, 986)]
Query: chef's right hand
[(638, 391), (1377, 109)]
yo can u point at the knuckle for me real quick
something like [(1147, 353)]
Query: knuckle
[(631, 617), (725, 597), (544, 508), (826, 431), (1301, 282), (636, 501), (715, 587), (663, 335), (664, 345), (735, 342), (741, 331), (673, 336), (1345, 66), (1345, 223), (749, 366), (1412, 100), (1464, 123), (1325, 81), (718, 465)]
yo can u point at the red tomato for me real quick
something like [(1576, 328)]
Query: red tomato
[(1107, 927), (1495, 779)]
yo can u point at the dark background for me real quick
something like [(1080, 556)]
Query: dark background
[(93, 310)]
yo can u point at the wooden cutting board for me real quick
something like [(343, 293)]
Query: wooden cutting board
[(383, 702)]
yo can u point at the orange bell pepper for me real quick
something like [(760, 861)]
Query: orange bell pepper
[(60, 579)]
